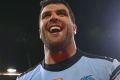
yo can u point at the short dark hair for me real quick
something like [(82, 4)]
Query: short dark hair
[(46, 2)]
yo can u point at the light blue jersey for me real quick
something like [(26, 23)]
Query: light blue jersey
[(81, 66)]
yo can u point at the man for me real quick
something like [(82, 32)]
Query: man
[(63, 60)]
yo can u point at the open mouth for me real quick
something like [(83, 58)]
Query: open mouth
[(55, 29)]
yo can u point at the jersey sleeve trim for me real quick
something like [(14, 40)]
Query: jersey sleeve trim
[(115, 73)]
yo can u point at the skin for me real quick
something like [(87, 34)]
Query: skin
[(58, 46)]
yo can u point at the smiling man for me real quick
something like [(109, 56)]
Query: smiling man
[(57, 31), (63, 60)]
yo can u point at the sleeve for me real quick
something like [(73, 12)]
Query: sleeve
[(20, 78), (116, 72), (25, 76), (29, 74)]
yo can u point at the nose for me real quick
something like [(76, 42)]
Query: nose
[(54, 18)]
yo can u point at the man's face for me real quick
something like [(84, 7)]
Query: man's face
[(56, 26)]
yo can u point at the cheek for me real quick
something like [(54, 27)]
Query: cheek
[(43, 23), (41, 27), (40, 24), (70, 26)]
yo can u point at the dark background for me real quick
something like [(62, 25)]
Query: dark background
[(98, 23)]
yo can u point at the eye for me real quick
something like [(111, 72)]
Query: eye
[(46, 15), (62, 13)]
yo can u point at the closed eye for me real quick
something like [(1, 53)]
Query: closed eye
[(62, 12), (46, 14)]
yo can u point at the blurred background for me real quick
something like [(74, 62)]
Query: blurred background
[(98, 23)]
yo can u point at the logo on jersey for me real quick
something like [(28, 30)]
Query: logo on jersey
[(87, 78), (58, 79)]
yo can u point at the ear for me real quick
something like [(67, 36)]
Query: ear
[(74, 29)]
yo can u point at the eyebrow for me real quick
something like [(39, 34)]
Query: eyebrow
[(45, 13), (59, 10)]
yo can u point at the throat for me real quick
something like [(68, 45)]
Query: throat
[(57, 57)]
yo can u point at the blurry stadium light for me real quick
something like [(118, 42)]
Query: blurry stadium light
[(11, 70), (10, 74)]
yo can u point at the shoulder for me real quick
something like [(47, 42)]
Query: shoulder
[(111, 64), (95, 57), (108, 62), (29, 73)]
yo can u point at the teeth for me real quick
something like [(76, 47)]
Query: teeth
[(55, 28)]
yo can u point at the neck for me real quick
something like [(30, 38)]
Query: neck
[(61, 55)]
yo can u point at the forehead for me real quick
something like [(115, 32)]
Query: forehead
[(54, 7)]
